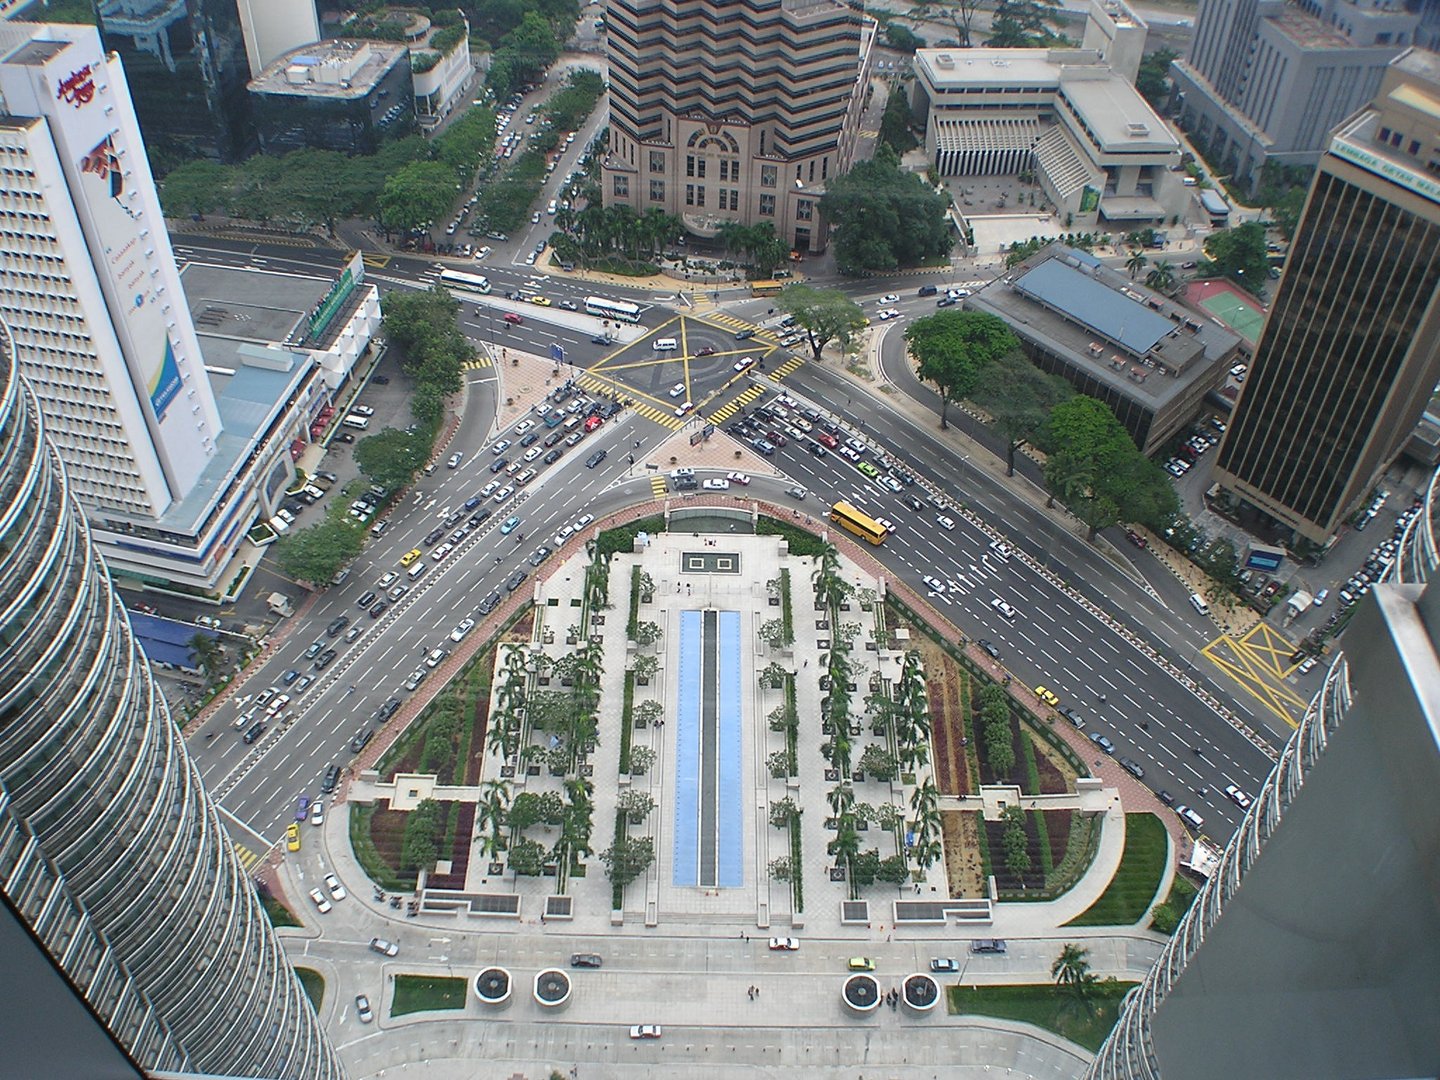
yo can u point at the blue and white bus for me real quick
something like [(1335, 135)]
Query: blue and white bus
[(463, 282), (622, 310), (1216, 206)]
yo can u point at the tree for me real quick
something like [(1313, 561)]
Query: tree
[(1162, 278), (647, 712), (208, 653), (1285, 212), (1023, 24), (1137, 261), (885, 218), (391, 458), (958, 14), (646, 634), (878, 762), (419, 193), (420, 846), (783, 812), (645, 668), (627, 858), (527, 857), (635, 805), (1071, 971), (641, 759), (197, 187), (1153, 78), (825, 314), (316, 554), (772, 632), (952, 348), (895, 122), (780, 868), (1238, 254), (778, 764), (773, 675), (1018, 396), (526, 810), (864, 865), (892, 870), (902, 39)]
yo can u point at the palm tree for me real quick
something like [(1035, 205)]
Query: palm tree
[(1136, 262), (1162, 278), (1071, 970), (841, 797), (923, 799), (490, 813)]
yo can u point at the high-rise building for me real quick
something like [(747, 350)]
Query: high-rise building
[(113, 860), (171, 471), (1350, 352), (1311, 952), (1267, 80), (735, 111)]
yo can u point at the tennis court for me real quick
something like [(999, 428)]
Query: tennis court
[(1230, 305)]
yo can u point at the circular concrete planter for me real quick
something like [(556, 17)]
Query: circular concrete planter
[(552, 988), (494, 986), (861, 993), (921, 992)]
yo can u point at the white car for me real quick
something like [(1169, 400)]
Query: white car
[(716, 484), (684, 407), (677, 389), (523, 426), (934, 584), (1003, 608), (645, 1031), (784, 944), (533, 453), (1001, 551), (490, 489), (464, 627), (504, 493), (500, 447), (948, 524), (884, 315), (482, 253), (745, 364), (890, 483), (320, 902), (317, 817), (580, 522), (332, 883), (566, 531), (890, 298), (737, 478), (440, 552), (1238, 797)]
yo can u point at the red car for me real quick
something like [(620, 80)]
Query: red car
[(706, 350), (827, 440), (593, 422), (1135, 538)]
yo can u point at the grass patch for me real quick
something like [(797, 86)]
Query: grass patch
[(280, 915), (1166, 917), (627, 722), (622, 537), (787, 618), (1046, 1006), (1133, 887), (369, 857), (314, 984), (801, 542), (797, 874), (427, 993)]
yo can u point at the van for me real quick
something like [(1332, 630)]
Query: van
[(359, 423), (1198, 603), (1189, 181), (928, 290), (666, 344), (415, 571)]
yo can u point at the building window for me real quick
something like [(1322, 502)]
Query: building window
[(803, 209), (689, 194), (724, 169), (622, 187), (825, 167), (657, 190), (767, 205), (734, 198), (767, 176), (657, 161), (700, 168), (812, 172), (689, 164), (699, 194)]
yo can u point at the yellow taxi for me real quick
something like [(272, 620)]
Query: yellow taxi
[(292, 836), (542, 301), (409, 556), (1047, 696)]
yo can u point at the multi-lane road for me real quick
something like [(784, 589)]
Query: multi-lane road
[(1056, 637)]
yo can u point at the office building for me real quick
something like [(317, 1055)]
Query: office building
[(1098, 151), (735, 111), (1116, 33), (171, 472), (1350, 352), (335, 95), (134, 938), (1311, 951), (1151, 360), (1266, 80)]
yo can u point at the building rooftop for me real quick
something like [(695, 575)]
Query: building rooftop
[(1357, 142), (337, 68), (1115, 112), (1075, 293), (995, 67), (1307, 31)]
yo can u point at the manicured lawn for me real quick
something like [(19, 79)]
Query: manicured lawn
[(424, 993), (279, 914), (1135, 881), (1046, 1006), (314, 984)]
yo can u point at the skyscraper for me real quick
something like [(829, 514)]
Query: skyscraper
[(1350, 352), (735, 111), (1266, 81), (1312, 950), (112, 856)]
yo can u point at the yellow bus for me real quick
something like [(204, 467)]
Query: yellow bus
[(765, 288), (862, 525)]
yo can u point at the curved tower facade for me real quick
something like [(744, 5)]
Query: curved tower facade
[(111, 853)]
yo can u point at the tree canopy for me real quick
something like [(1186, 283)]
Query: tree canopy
[(825, 314), (1238, 254), (418, 194), (1153, 78), (317, 553), (1023, 24), (952, 347), (1018, 396), (423, 325), (884, 218)]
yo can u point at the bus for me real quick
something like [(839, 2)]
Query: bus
[(1215, 205), (862, 525), (458, 279), (765, 288), (622, 310)]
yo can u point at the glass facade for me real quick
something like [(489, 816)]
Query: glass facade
[(128, 880)]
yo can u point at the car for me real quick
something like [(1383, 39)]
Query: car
[(595, 459), (1190, 817), (434, 535), (580, 522), (337, 624), (645, 1031), (279, 703), (946, 523), (987, 945), (397, 592), (383, 947), (440, 552), (389, 709), (414, 679), (322, 904), (860, 963), (535, 218), (1071, 715), (363, 1012), (499, 448), (868, 468), (934, 584), (454, 460), (716, 483), (303, 683), (591, 423), (366, 599), (944, 964), (490, 603), (677, 390), (828, 440), (990, 648), (292, 836), (784, 944), (410, 556), (1003, 608), (1048, 696), (539, 555), (1133, 767), (333, 886), (1238, 797), (523, 426), (1001, 551), (379, 608), (540, 301), (504, 493), (1136, 539), (302, 807), (362, 410), (317, 817), (461, 629), (585, 960), (890, 298), (744, 364), (361, 739), (738, 478), (515, 580), (1102, 742), (510, 525)]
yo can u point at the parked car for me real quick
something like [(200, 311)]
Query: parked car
[(944, 964), (784, 944), (1102, 742), (585, 960)]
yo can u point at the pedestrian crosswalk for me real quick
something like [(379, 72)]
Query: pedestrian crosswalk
[(657, 486), (480, 361), (789, 367), (375, 259), (249, 859), (730, 408)]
